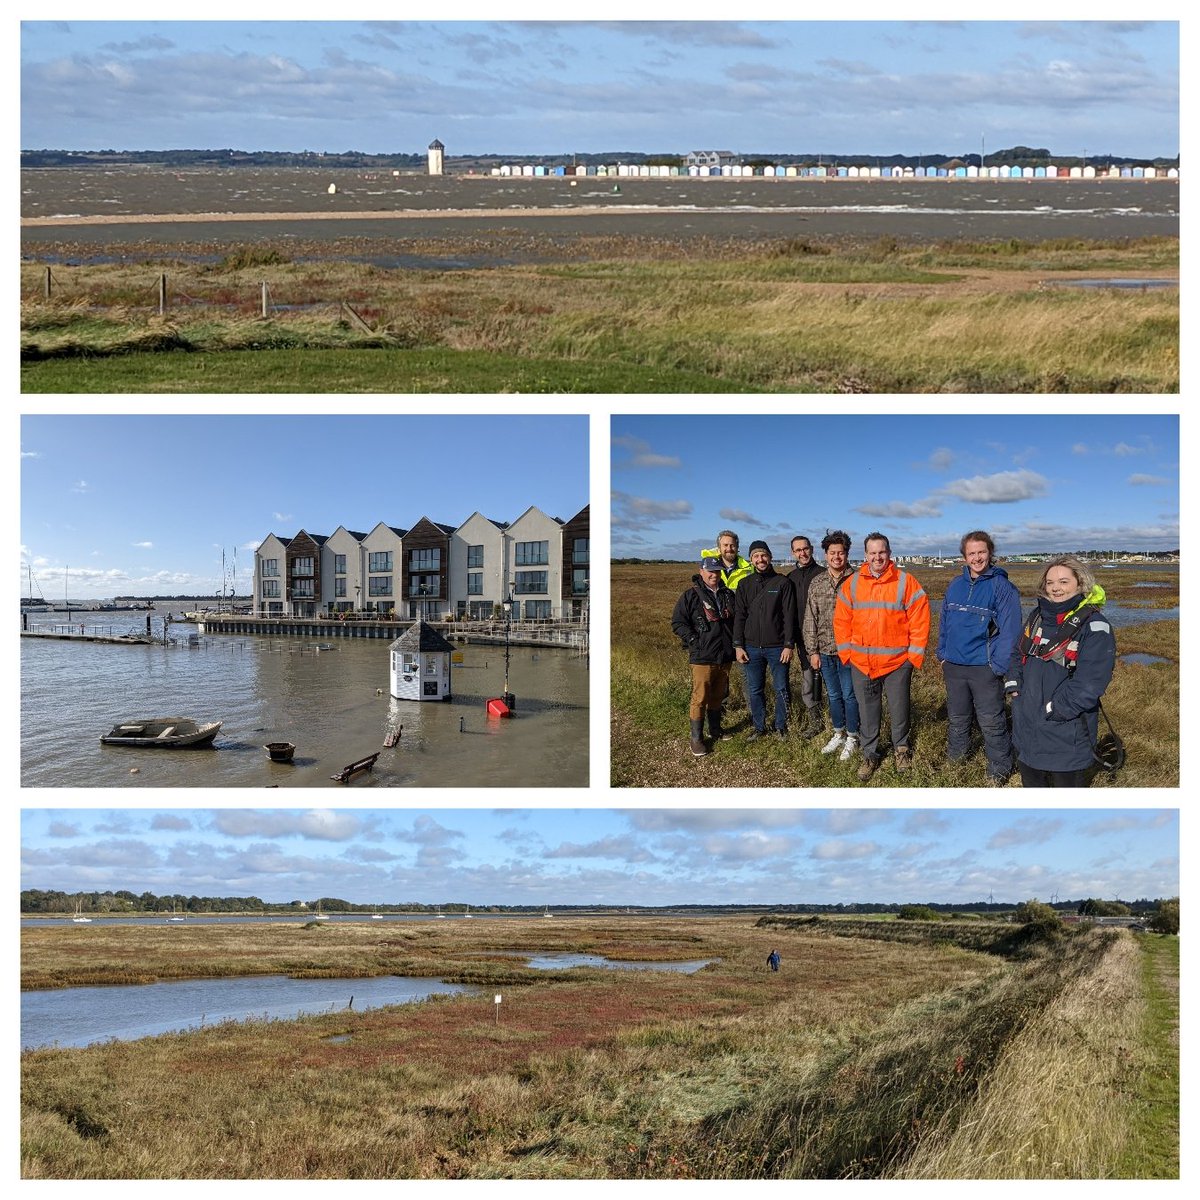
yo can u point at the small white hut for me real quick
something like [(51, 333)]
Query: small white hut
[(421, 664), (437, 155)]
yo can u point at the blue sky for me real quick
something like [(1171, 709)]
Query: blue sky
[(594, 856), (553, 87), (1035, 482), (145, 504)]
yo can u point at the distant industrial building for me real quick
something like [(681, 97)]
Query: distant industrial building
[(431, 571)]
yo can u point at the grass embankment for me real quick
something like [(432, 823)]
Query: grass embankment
[(651, 684), (855, 1049), (605, 315)]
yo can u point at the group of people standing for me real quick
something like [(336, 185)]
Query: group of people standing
[(860, 633)]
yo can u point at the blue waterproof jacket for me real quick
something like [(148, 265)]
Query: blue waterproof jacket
[(980, 620), (1056, 700)]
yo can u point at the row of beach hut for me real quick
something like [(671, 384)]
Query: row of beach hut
[(624, 171)]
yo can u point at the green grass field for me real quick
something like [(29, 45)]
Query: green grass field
[(608, 316), (651, 684)]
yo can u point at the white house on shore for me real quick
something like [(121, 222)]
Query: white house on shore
[(431, 571)]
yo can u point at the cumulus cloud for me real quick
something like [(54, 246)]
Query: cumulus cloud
[(1005, 487), (1025, 832), (641, 455), (899, 510), (625, 848), (840, 849), (739, 516), (170, 822), (319, 824), (639, 512)]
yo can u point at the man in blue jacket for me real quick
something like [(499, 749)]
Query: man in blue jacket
[(979, 627)]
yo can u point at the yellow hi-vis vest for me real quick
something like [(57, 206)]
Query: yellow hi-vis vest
[(730, 578)]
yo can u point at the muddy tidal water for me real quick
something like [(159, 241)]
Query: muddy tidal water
[(333, 705), (252, 204)]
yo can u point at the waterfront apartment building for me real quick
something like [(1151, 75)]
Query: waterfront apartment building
[(431, 570)]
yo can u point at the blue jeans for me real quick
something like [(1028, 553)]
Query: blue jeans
[(756, 679), (839, 686)]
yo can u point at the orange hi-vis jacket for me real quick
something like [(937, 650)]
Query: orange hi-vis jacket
[(879, 624)]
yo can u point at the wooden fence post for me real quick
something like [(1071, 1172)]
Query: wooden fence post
[(49, 283), (162, 294), (264, 299)]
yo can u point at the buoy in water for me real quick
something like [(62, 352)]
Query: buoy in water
[(332, 189)]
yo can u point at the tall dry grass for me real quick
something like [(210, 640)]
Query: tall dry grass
[(882, 317)]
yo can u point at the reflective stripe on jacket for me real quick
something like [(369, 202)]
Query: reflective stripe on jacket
[(730, 578), (879, 624)]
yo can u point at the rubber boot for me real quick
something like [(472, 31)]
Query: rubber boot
[(714, 725), (699, 749)]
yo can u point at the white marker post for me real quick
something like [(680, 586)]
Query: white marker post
[(497, 1004)]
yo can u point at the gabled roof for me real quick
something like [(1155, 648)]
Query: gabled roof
[(422, 638)]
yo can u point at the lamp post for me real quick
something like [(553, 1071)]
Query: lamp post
[(509, 698)]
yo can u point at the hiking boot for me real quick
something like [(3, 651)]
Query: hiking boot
[(849, 748), (997, 781), (835, 743), (781, 734), (699, 749), (814, 726), (903, 760), (754, 735), (867, 768), (714, 726)]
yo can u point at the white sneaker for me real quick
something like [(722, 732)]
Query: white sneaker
[(849, 748), (839, 736)]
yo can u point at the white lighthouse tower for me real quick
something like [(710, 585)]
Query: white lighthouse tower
[(437, 153)]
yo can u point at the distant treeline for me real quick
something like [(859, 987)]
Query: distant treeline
[(1024, 156), (36, 900)]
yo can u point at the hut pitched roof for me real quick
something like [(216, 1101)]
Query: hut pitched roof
[(422, 638)]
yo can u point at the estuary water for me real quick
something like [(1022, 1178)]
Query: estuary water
[(83, 1016), (332, 704)]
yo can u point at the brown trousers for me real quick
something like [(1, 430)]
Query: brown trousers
[(710, 686)]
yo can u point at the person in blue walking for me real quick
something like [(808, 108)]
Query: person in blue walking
[(773, 960), (977, 633)]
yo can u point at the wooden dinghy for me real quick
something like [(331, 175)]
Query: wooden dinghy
[(162, 732)]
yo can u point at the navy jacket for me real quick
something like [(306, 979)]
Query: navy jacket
[(764, 611), (980, 620), (1056, 702)]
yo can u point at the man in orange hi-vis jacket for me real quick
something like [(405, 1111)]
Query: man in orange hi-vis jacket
[(881, 625)]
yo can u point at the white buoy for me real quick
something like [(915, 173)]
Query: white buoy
[(332, 189)]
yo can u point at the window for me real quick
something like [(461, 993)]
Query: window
[(270, 588), (474, 556), (379, 585), (579, 551), (425, 586), (380, 560), (533, 554), (339, 587), (579, 581), (474, 583), (429, 559), (270, 566), (339, 564), (537, 610), (302, 589), (302, 566), (530, 581)]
